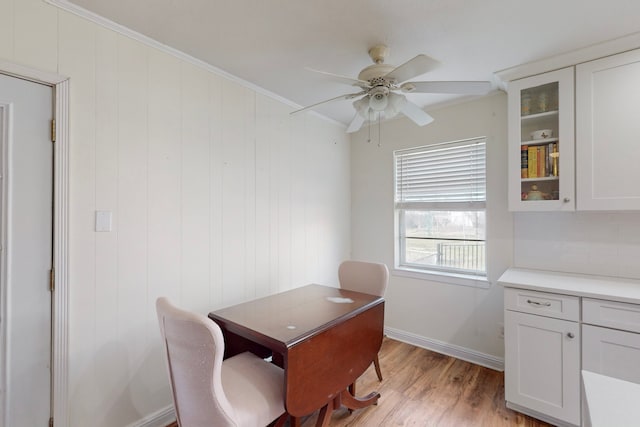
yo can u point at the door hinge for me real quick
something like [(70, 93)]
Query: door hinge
[(53, 130), (52, 280), (51, 422)]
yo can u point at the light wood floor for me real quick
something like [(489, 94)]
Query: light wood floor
[(423, 388)]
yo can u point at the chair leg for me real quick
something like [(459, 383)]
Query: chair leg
[(376, 364), (281, 420), (352, 390)]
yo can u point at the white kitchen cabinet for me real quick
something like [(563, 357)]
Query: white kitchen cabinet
[(611, 339), (608, 133), (611, 352), (542, 362), (541, 164), (610, 343), (542, 355)]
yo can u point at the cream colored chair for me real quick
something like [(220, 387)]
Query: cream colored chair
[(243, 390), (366, 277)]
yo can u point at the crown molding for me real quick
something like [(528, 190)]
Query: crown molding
[(568, 59), (148, 41)]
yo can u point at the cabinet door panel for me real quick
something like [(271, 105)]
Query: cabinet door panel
[(607, 129), (549, 188), (611, 352), (542, 365)]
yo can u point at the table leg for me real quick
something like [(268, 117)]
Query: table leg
[(352, 389), (325, 415), (352, 402), (337, 401)]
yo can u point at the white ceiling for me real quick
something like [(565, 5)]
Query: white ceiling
[(270, 42)]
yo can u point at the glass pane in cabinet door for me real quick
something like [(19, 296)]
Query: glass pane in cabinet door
[(540, 146)]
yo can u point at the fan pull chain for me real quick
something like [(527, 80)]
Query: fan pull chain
[(369, 130)]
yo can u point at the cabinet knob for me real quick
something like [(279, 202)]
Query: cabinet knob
[(566, 200), (570, 335)]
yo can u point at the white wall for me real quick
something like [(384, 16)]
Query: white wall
[(599, 243), (433, 313), (218, 196)]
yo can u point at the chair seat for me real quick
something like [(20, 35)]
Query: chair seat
[(254, 388)]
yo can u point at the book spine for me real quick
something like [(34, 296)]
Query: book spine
[(524, 161), (540, 161), (533, 162)]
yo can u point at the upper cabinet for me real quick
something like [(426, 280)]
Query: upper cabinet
[(549, 169), (608, 133), (541, 142)]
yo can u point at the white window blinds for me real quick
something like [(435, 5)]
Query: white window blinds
[(442, 176)]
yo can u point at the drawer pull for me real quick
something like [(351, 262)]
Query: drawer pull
[(570, 335), (539, 304)]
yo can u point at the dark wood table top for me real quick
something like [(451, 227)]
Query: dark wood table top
[(283, 320)]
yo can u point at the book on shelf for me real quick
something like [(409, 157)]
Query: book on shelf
[(524, 161), (532, 162), (542, 160), (537, 161)]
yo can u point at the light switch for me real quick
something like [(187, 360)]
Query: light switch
[(103, 220)]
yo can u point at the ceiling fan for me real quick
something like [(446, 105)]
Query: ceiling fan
[(380, 84)]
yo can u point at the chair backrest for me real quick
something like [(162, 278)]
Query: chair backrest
[(368, 277), (194, 346)]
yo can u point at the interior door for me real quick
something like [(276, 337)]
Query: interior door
[(27, 203)]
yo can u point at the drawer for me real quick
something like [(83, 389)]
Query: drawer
[(617, 315), (541, 303)]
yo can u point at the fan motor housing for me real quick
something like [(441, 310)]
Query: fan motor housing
[(375, 71)]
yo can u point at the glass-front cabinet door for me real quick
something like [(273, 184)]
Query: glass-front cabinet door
[(541, 142)]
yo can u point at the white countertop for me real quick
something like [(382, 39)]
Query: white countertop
[(610, 401), (609, 288)]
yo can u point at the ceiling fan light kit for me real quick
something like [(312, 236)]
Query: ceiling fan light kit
[(389, 104), (380, 82)]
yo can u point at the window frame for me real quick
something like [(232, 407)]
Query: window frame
[(434, 272)]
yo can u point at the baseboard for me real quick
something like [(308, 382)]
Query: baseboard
[(482, 359), (538, 415), (160, 418)]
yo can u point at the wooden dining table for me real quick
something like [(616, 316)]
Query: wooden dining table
[(323, 337)]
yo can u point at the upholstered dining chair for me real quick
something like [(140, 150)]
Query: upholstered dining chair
[(243, 390), (366, 277)]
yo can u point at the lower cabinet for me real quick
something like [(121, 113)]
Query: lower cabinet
[(611, 352), (611, 339), (558, 325), (542, 366)]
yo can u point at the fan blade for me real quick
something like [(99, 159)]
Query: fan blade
[(347, 96), (356, 123), (415, 113), (342, 79), (469, 88), (417, 66)]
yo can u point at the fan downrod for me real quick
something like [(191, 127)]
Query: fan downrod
[(374, 74), (378, 53)]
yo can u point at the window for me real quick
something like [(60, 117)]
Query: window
[(440, 195)]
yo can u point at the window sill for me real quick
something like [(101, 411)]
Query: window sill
[(442, 277)]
